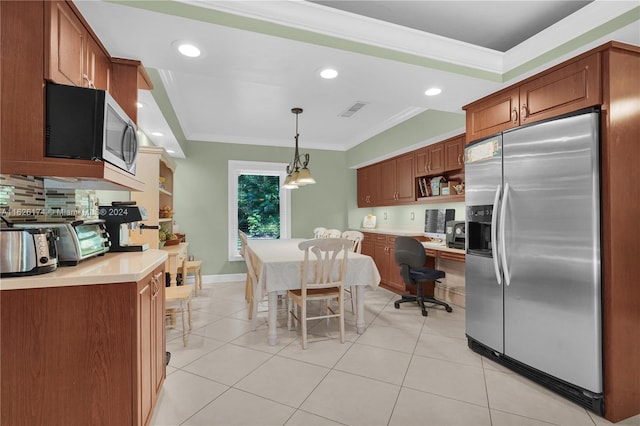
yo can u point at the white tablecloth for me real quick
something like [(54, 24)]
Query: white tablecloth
[(278, 265)]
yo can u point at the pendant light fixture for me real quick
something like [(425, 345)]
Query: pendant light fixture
[(298, 174)]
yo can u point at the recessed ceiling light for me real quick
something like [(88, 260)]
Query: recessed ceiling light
[(433, 91), (157, 134), (170, 151), (328, 73), (139, 104), (189, 50)]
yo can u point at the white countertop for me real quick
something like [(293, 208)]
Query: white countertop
[(441, 247), (107, 269), (404, 232)]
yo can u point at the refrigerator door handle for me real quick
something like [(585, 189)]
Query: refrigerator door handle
[(494, 233), (503, 243)]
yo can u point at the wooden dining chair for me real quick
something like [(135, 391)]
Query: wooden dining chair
[(319, 232), (332, 233), (356, 238), (322, 277), (247, 285), (178, 299)]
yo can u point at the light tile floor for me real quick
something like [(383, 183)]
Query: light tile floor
[(404, 369)]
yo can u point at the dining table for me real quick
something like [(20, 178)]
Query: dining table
[(278, 266)]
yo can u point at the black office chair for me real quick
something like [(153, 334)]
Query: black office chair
[(410, 256)]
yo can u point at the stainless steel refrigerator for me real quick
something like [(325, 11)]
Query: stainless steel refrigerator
[(533, 280)]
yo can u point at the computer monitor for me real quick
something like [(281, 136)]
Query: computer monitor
[(435, 222)]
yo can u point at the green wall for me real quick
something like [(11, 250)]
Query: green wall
[(201, 187), (201, 194)]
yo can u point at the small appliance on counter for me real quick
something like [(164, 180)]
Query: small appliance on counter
[(456, 234), (369, 222), (77, 240), (121, 217), (27, 251)]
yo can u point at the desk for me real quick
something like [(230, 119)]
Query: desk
[(441, 251), (278, 266), (177, 254)]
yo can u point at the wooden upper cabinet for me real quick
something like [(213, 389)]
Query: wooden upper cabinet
[(65, 39), (493, 114), (562, 89), (124, 85), (453, 154), (369, 190), (404, 178), (397, 180), (98, 69), (429, 160)]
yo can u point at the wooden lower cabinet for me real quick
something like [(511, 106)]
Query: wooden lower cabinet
[(81, 355), (380, 248)]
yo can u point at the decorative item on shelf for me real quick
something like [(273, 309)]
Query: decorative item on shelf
[(447, 188), (297, 172), (435, 184), (181, 237), (424, 186), (165, 212), (161, 181), (166, 237), (459, 188)]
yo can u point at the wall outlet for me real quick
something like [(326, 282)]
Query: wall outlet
[(385, 215), (413, 216)]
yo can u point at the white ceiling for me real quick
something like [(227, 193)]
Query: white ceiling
[(265, 59)]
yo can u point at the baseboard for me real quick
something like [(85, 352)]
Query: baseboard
[(215, 279)]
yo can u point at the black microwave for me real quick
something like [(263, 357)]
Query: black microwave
[(89, 124)]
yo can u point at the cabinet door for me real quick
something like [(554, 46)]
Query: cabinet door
[(159, 342), (363, 187), (421, 162), (98, 66), (394, 279), (145, 345), (436, 159), (65, 39), (388, 184), (493, 114), (381, 258), (405, 184), (375, 185), (453, 154), (563, 90), (367, 246)]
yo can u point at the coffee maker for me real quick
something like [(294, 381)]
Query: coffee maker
[(120, 218)]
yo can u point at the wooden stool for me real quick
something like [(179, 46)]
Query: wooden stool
[(181, 294), (194, 267)]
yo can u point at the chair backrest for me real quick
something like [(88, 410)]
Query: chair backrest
[(243, 242), (332, 233), (251, 273), (409, 253), (356, 237), (325, 262), (319, 232)]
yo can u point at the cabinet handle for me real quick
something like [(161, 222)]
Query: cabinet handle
[(514, 116), (429, 166), (459, 158), (523, 112), (89, 82)]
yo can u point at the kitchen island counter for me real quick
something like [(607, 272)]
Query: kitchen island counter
[(107, 269)]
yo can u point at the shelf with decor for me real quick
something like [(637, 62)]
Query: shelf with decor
[(156, 169)]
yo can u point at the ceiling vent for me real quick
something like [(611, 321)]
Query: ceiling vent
[(352, 109)]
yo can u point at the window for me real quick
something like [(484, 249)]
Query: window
[(257, 203)]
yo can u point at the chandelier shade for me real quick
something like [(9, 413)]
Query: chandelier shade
[(298, 174)]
